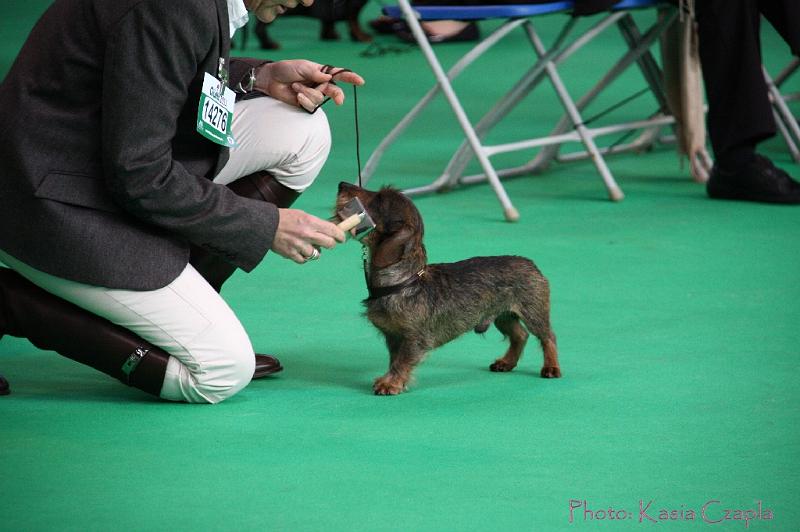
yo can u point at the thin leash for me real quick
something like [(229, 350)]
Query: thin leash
[(329, 69), (358, 134), (358, 162), (374, 292)]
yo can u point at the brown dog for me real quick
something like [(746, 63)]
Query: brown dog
[(420, 306)]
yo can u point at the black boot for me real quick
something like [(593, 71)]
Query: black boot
[(260, 186), (51, 323)]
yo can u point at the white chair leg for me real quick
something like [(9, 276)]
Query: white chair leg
[(511, 214)]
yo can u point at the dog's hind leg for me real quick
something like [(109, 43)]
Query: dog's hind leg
[(404, 355), (508, 324), (537, 320)]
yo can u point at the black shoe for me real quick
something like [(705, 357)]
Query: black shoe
[(470, 32), (266, 365), (758, 180), (5, 389)]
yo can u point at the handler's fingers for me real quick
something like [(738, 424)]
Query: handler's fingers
[(314, 75), (308, 251), (328, 234), (333, 92), (312, 95), (298, 258), (348, 76), (305, 103), (323, 241)]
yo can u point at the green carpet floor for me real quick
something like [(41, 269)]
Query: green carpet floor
[(678, 321)]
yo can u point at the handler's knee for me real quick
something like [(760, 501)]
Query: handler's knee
[(307, 151), (212, 372), (281, 139), (226, 375)]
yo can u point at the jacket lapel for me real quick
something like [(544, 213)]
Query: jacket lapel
[(224, 31)]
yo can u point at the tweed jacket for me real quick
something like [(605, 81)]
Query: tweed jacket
[(103, 177)]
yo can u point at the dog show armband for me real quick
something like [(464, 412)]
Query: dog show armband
[(215, 111)]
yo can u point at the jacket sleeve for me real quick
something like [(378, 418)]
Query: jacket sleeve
[(240, 69), (152, 56), (240, 73)]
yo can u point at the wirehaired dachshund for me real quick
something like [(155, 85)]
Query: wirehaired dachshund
[(420, 306)]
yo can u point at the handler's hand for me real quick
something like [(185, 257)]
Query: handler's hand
[(299, 232), (302, 83)]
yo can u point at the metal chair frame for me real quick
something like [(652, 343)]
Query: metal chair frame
[(784, 119), (570, 129)]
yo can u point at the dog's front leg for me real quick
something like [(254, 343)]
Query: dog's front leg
[(403, 356)]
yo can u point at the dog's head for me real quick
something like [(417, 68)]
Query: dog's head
[(398, 225)]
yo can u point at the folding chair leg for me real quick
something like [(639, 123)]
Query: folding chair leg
[(460, 159), (511, 213), (787, 136), (614, 192), (647, 63), (641, 47), (408, 119), (787, 72), (558, 53), (784, 118)]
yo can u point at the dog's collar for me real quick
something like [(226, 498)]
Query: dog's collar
[(376, 292)]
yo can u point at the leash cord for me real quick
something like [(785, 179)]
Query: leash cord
[(358, 135), (616, 106), (328, 69)]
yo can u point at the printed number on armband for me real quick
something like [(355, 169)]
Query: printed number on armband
[(215, 115), (215, 112)]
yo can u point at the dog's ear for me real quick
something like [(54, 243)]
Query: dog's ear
[(345, 187), (391, 250)]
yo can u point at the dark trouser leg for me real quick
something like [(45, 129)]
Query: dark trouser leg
[(739, 111), (51, 323), (259, 186), (264, 40), (784, 15), (739, 114)]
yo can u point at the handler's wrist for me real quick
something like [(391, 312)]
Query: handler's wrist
[(261, 77), (247, 83)]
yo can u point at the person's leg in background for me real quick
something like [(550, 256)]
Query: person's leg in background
[(273, 164), (740, 114)]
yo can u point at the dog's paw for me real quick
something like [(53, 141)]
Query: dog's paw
[(502, 366), (551, 372), (388, 386)]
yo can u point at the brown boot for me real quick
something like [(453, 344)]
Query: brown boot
[(260, 186), (51, 323)]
